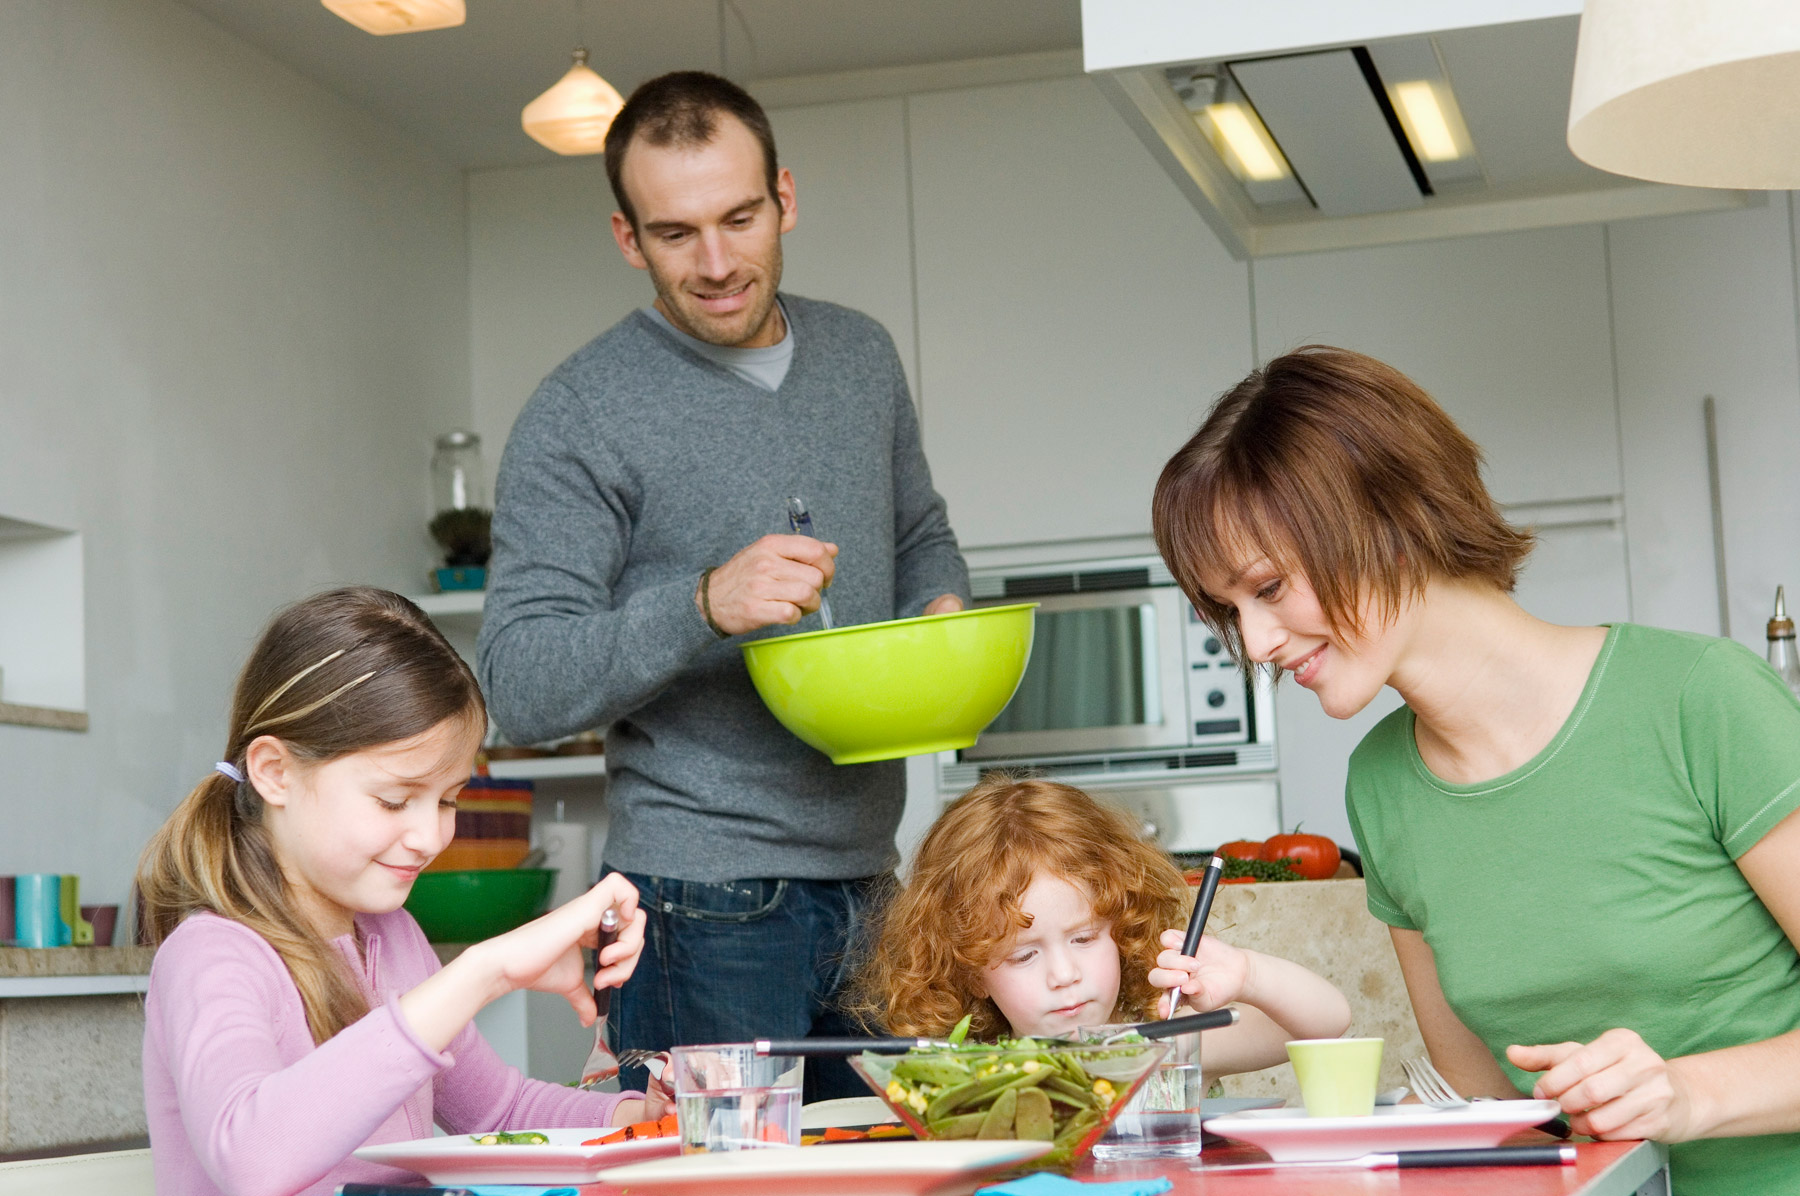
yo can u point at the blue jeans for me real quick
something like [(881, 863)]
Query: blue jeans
[(738, 960)]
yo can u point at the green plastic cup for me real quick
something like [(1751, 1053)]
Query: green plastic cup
[(909, 687), (1337, 1076)]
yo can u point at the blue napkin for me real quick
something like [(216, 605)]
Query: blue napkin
[(1043, 1183)]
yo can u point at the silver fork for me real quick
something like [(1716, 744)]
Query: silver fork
[(1431, 1087), (636, 1058)]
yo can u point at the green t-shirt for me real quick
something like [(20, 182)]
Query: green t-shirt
[(1594, 886)]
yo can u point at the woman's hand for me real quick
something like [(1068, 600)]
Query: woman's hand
[(1613, 1087), (1213, 978)]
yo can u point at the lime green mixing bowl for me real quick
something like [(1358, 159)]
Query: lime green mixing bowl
[(466, 906), (879, 691)]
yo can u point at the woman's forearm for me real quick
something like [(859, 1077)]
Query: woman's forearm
[(1742, 1090)]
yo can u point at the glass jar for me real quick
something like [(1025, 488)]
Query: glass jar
[(458, 480)]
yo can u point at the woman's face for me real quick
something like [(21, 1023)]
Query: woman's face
[(1060, 972), (1282, 623), (353, 833)]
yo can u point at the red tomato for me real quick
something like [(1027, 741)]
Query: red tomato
[(1237, 880), (1315, 857), (1242, 849)]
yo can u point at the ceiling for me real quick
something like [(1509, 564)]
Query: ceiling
[(460, 90)]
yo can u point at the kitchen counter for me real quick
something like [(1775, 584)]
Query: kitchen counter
[(73, 971), (71, 1046)]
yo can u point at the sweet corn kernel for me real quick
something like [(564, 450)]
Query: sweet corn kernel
[(1031, 1065), (895, 1091), (1103, 1088)]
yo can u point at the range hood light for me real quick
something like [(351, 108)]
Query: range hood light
[(399, 16), (1252, 151), (1426, 125)]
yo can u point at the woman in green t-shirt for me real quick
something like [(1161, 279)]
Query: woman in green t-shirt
[(1580, 837)]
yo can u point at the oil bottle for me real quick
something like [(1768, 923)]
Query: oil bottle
[(1782, 657)]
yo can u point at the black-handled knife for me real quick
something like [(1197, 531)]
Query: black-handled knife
[(1492, 1156)]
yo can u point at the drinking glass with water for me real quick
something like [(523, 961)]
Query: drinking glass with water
[(728, 1097), (1162, 1120)]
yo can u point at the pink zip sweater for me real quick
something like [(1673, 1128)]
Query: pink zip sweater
[(241, 1101)]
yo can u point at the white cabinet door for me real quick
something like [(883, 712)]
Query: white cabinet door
[(1704, 305), (853, 243), (1076, 318), (1509, 333)]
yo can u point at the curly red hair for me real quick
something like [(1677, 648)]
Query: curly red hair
[(961, 907)]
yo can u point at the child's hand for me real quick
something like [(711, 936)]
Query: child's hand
[(545, 954), (1212, 980)]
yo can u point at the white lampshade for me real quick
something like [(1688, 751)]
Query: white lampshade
[(399, 16), (1704, 93), (573, 116)]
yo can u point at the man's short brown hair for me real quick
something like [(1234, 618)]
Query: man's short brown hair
[(682, 108), (1340, 469)]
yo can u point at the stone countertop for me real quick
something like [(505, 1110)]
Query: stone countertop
[(74, 961), (1324, 925)]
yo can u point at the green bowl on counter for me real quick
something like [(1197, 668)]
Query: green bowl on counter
[(466, 906), (909, 687)]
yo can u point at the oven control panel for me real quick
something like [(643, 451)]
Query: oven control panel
[(1220, 708)]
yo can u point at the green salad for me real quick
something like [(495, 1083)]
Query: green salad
[(516, 1138), (1046, 1090)]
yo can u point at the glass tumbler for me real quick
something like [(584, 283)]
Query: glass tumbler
[(728, 1097), (1163, 1119)]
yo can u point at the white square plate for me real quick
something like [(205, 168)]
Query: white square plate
[(865, 1168), (457, 1159), (1289, 1135)]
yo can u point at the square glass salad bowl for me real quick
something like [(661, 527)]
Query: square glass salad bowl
[(1064, 1093)]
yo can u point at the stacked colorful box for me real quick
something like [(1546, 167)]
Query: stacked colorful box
[(493, 826)]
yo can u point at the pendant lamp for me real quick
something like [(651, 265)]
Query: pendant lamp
[(573, 116), (399, 16), (1704, 93)]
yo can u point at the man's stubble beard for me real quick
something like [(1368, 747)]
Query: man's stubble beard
[(700, 326)]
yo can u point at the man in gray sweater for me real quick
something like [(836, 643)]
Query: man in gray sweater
[(640, 536)]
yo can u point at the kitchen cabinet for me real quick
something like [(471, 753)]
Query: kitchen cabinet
[(853, 242), (1706, 305), (1076, 318), (1509, 333)]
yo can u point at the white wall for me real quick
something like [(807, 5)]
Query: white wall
[(233, 313), (1072, 318)]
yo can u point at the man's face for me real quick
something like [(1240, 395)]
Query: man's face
[(709, 233)]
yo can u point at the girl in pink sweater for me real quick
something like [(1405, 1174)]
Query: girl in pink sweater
[(296, 1011)]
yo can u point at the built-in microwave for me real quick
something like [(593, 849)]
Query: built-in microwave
[(1124, 679)]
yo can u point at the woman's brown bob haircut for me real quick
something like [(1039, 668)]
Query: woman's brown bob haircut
[(1339, 469)]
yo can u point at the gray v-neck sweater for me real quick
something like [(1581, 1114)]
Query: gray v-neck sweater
[(637, 464)]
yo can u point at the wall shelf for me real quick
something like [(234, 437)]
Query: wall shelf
[(547, 768), (454, 604), (50, 717)]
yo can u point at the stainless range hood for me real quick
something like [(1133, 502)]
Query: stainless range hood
[(1311, 125)]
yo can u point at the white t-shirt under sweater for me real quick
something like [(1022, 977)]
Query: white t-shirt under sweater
[(764, 367)]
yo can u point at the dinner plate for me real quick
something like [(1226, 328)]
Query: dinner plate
[(847, 1110), (457, 1159), (1289, 1135), (865, 1168)]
